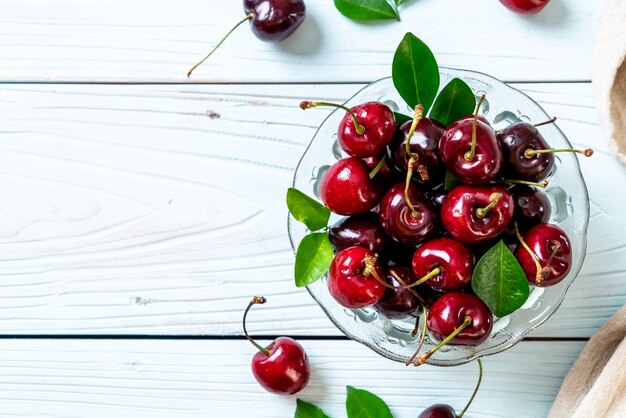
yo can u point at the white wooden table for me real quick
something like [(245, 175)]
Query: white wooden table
[(140, 211)]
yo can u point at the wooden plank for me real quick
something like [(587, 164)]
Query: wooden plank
[(143, 41), (100, 378), (160, 209)]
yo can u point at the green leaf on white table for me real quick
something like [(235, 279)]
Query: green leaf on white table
[(308, 410), (401, 118), (454, 101), (415, 72), (499, 281), (399, 2), (449, 181), (313, 258), (307, 210), (363, 404), (366, 9)]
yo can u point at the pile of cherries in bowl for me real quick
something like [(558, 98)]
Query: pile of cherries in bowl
[(422, 203)]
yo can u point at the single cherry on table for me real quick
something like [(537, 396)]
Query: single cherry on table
[(525, 7), (283, 366)]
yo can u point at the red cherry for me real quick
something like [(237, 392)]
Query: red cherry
[(407, 226), (399, 303), (347, 189), (525, 7), (448, 313), (453, 260), (551, 260), (283, 366), (352, 278), (475, 214), (359, 230)]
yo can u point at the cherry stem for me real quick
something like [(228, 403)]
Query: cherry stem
[(529, 153), (423, 336), (248, 17), (480, 378), (360, 129), (545, 272), (434, 272), (376, 169), (471, 154), (414, 213), (539, 275), (547, 122), (494, 198), (542, 185), (418, 115), (370, 269), (405, 286), (467, 321), (255, 300)]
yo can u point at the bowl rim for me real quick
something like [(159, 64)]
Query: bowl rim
[(476, 355)]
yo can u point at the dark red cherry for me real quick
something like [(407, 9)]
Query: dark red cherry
[(359, 230), (274, 20), (399, 303), (283, 366), (407, 226), (450, 311), (518, 141), (453, 260), (437, 197), (352, 278), (475, 214), (455, 150), (551, 249), (347, 189), (387, 173), (438, 411), (525, 7), (424, 144), (532, 206)]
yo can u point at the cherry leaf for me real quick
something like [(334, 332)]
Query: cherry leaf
[(363, 404), (415, 72), (453, 102), (308, 410), (401, 118), (449, 181), (313, 257), (366, 9), (306, 210), (499, 281)]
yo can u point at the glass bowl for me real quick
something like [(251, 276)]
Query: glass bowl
[(570, 210)]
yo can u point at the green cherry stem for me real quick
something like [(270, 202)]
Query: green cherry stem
[(467, 321), (249, 16), (418, 115), (480, 378), (494, 199), (255, 300), (376, 169), (542, 184), (539, 275), (360, 129), (471, 154), (529, 153), (405, 286), (434, 272)]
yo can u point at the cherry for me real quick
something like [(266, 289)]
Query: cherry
[(545, 255), (347, 188), (470, 150), (475, 214), (451, 261), (382, 169), (527, 154), (437, 197), (409, 221), (283, 366), (355, 278), (365, 130), (423, 144), (359, 230), (532, 207), (399, 302), (271, 20), (525, 7)]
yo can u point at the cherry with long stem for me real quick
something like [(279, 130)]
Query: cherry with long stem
[(360, 129), (471, 154), (256, 300), (467, 321), (540, 271), (529, 153), (480, 378), (248, 17)]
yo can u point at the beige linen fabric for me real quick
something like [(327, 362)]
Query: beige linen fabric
[(595, 387), (610, 74)]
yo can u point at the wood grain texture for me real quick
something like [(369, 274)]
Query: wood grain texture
[(145, 40), (100, 378), (160, 209)]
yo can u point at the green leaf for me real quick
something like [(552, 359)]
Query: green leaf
[(401, 118), (450, 182), (363, 404), (366, 9), (415, 72), (313, 258), (308, 410), (499, 281), (399, 2), (454, 101), (306, 210)]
